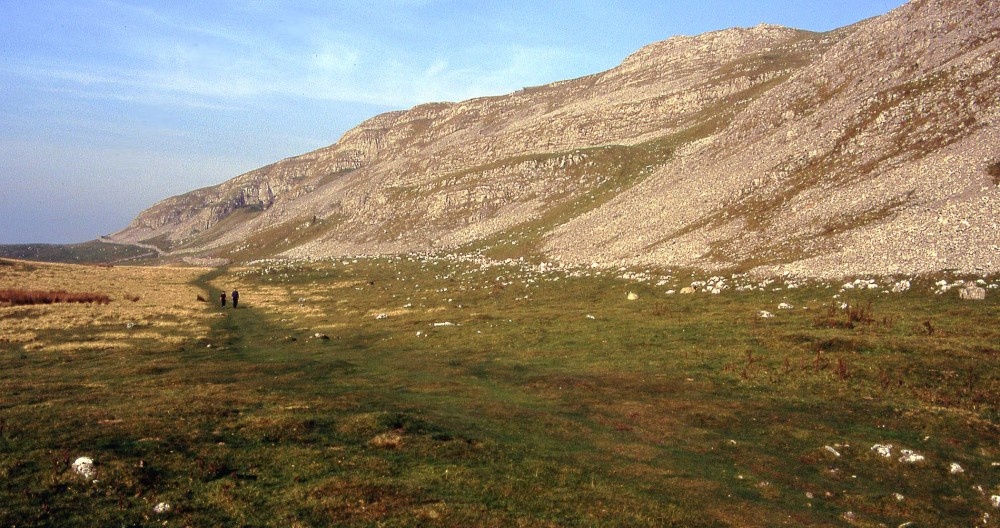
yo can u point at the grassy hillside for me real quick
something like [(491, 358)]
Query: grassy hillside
[(409, 392)]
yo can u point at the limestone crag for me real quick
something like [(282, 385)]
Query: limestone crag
[(867, 149), (853, 165)]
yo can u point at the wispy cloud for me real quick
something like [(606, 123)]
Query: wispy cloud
[(213, 65), (149, 98)]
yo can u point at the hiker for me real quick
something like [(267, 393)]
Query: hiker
[(236, 298), (222, 299)]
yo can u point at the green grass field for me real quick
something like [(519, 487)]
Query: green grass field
[(409, 392)]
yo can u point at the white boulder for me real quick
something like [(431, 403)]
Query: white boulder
[(84, 466), (883, 450), (909, 457), (971, 292)]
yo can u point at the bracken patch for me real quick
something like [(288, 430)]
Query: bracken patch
[(27, 297)]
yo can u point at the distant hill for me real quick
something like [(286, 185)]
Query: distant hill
[(873, 148), (93, 252)]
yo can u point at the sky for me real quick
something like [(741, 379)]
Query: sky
[(109, 106)]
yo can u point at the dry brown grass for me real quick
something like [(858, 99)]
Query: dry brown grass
[(388, 440), (143, 303)]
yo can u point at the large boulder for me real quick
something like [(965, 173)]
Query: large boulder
[(971, 292)]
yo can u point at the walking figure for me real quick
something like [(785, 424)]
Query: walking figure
[(236, 298), (222, 299)]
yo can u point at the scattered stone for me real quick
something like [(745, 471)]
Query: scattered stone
[(898, 496), (832, 450), (591, 317), (955, 469), (84, 466), (687, 290), (764, 314), (971, 292), (446, 323), (162, 507), (883, 450), (909, 457), (319, 335), (633, 296), (381, 316), (901, 286), (995, 501), (130, 325), (785, 306)]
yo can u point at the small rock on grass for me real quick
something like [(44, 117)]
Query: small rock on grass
[(883, 450), (84, 466)]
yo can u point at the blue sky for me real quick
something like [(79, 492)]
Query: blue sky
[(109, 106)]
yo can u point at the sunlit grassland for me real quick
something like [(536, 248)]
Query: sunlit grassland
[(408, 392)]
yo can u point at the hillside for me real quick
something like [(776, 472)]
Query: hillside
[(869, 149)]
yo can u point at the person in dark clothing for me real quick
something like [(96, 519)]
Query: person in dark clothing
[(236, 298), (222, 299)]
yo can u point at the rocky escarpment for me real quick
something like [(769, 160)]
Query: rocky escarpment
[(866, 149)]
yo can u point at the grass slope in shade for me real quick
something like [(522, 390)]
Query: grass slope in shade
[(407, 392)]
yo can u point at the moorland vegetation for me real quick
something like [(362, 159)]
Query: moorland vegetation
[(436, 391)]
